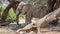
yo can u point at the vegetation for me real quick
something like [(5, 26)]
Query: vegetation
[(11, 14)]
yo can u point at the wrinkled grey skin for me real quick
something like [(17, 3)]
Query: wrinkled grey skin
[(30, 10), (36, 11)]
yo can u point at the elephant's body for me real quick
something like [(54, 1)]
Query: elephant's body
[(30, 10)]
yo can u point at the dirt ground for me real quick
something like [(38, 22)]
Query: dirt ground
[(47, 30)]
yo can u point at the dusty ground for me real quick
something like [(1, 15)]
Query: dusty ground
[(48, 30), (7, 31)]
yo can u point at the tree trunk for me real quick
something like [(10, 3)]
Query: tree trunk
[(57, 4), (50, 5), (6, 11)]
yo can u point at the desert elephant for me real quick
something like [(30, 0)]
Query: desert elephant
[(30, 10), (36, 11)]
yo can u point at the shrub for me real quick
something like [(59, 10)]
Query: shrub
[(11, 14)]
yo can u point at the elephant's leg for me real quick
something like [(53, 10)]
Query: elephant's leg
[(17, 18), (28, 19)]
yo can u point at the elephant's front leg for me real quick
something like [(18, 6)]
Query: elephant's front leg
[(17, 18), (28, 18)]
